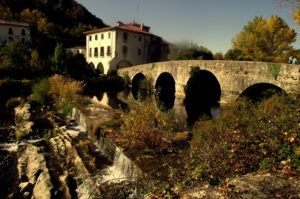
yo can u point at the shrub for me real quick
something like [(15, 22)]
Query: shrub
[(40, 91), (65, 90), (146, 125), (246, 137)]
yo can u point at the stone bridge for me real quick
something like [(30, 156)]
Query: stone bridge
[(226, 80)]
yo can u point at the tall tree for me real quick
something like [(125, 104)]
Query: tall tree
[(14, 54), (264, 40), (58, 60)]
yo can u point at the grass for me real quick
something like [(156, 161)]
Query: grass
[(274, 69)]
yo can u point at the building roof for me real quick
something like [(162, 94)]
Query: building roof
[(132, 27), (13, 23)]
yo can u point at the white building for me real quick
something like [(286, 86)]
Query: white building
[(10, 30), (123, 45)]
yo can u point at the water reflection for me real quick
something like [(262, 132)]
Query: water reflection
[(117, 100)]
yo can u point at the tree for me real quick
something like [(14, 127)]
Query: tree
[(35, 61), (5, 13), (14, 54), (296, 12), (264, 40), (233, 54), (218, 56), (58, 60), (185, 50)]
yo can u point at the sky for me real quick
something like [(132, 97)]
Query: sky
[(210, 23)]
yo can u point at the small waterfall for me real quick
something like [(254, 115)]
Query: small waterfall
[(122, 168), (80, 119)]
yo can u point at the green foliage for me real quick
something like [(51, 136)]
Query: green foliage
[(126, 79), (218, 56), (264, 40), (145, 89), (233, 54), (35, 61), (274, 69), (66, 110), (40, 91), (14, 54), (58, 60), (109, 123), (51, 133), (186, 50)]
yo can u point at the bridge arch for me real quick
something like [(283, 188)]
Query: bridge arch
[(260, 91), (136, 89), (165, 90), (202, 93), (123, 64), (91, 65), (100, 68)]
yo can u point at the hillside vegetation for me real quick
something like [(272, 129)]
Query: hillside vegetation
[(51, 21)]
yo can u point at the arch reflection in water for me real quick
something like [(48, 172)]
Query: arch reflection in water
[(165, 91), (258, 92), (202, 95)]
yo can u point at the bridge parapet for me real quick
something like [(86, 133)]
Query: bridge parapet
[(233, 76)]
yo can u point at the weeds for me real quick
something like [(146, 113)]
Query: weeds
[(52, 133), (246, 138), (65, 90), (146, 125), (274, 69)]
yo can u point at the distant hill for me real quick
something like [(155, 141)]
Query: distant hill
[(52, 21), (63, 12)]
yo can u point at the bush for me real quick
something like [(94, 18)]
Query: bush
[(40, 91), (145, 125), (65, 90), (246, 138)]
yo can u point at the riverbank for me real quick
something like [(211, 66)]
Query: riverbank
[(86, 159)]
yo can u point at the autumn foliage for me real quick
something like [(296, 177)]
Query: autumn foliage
[(264, 40)]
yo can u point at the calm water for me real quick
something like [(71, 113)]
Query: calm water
[(176, 105)]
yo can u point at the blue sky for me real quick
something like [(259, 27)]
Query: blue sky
[(210, 23)]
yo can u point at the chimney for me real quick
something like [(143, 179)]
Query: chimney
[(119, 23), (142, 26)]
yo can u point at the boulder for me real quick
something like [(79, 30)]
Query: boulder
[(23, 124)]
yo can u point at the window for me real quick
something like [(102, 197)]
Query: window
[(96, 52), (140, 38), (102, 36), (108, 51), (23, 32), (10, 38), (125, 50), (96, 37), (23, 40), (90, 38), (10, 31), (139, 51), (102, 52), (90, 52), (125, 36), (109, 35)]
